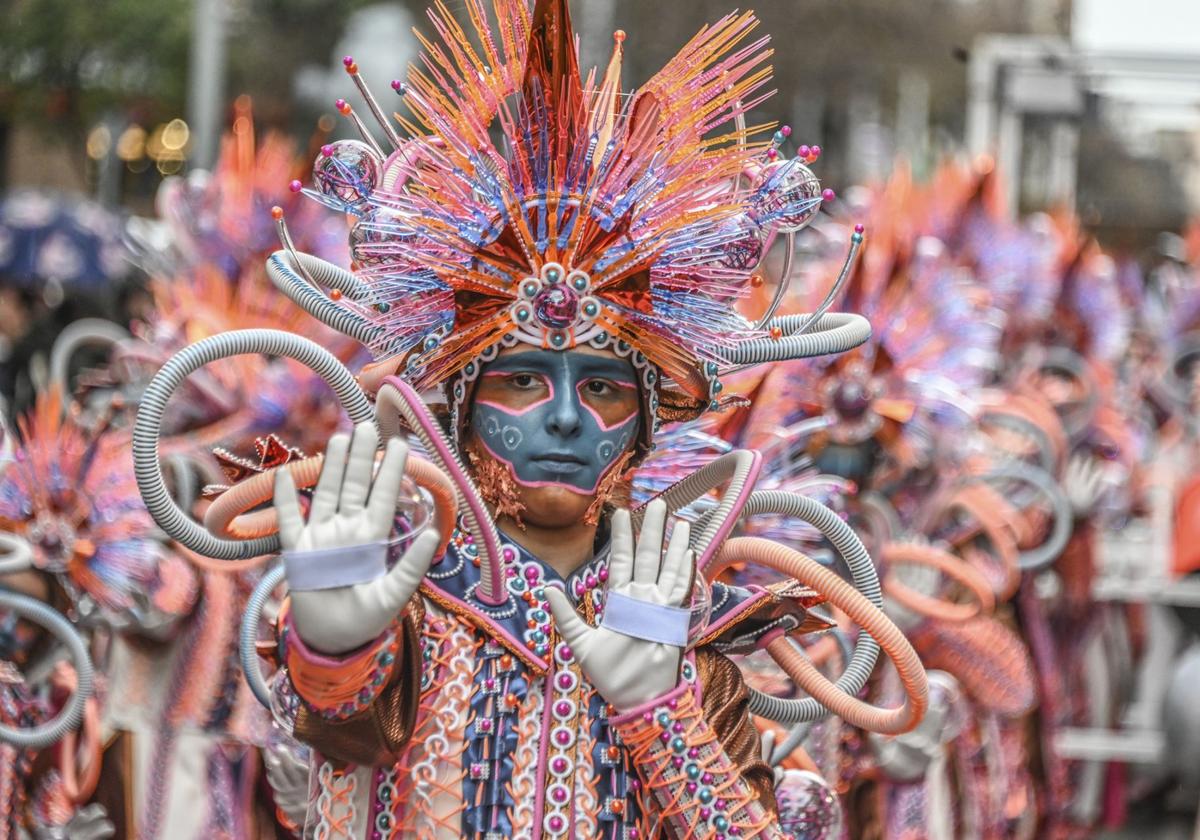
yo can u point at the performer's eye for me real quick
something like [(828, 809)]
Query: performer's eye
[(599, 387), (524, 381)]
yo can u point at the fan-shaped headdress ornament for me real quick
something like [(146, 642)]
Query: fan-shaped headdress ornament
[(533, 205)]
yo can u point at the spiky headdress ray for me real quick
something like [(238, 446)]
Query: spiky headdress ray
[(534, 204)]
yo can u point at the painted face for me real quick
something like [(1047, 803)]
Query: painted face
[(557, 417)]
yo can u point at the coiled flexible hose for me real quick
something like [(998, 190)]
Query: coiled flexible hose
[(1062, 516), (866, 581), (953, 567), (79, 334), (868, 616), (739, 469), (398, 401), (833, 332), (248, 634), (69, 717), (282, 269), (148, 429)]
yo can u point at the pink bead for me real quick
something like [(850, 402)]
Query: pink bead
[(562, 737), (677, 761), (666, 736), (786, 131), (719, 804), (340, 104), (859, 228), (647, 717), (705, 813), (564, 681), (591, 581), (563, 708), (707, 778), (635, 784), (295, 186), (828, 194), (693, 752), (347, 60), (559, 765), (634, 834), (565, 651), (603, 574), (691, 787), (397, 84), (560, 795), (327, 150), (677, 727), (772, 154), (803, 151), (556, 823), (816, 150), (672, 703)]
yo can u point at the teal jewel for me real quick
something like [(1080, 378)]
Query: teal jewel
[(664, 720), (580, 283), (717, 387), (557, 339), (386, 659), (552, 275), (705, 795), (590, 309), (714, 405), (711, 367), (431, 342), (678, 745), (383, 307), (522, 315), (856, 238), (693, 771), (720, 823)]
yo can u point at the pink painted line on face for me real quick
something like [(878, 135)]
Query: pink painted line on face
[(605, 427), (517, 412)]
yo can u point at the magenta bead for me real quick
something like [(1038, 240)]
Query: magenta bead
[(647, 717), (707, 778), (859, 228), (295, 186), (510, 554), (327, 150), (347, 60), (635, 785), (634, 834), (816, 151), (560, 765), (564, 681), (677, 761), (562, 737), (556, 823), (340, 104), (397, 84), (677, 727), (665, 737), (603, 575), (565, 651), (563, 708), (691, 787), (828, 194), (672, 703), (803, 151), (772, 154), (693, 752), (786, 131), (560, 795), (591, 581), (489, 683)]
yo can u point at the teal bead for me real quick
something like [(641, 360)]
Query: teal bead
[(678, 745), (705, 795), (720, 824), (693, 772), (664, 720)]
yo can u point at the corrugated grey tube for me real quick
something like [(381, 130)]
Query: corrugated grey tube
[(248, 634), (43, 735), (281, 269), (865, 578), (1063, 517), (148, 430), (833, 332), (737, 468), (78, 334)]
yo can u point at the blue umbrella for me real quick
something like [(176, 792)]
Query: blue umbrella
[(48, 238)]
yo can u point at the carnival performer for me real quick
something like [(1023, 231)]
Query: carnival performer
[(555, 264)]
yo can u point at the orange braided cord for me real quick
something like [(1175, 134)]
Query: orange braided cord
[(685, 771)]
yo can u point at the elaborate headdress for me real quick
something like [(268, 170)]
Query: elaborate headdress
[(70, 494), (534, 205)]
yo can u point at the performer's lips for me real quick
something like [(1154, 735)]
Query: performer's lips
[(559, 462)]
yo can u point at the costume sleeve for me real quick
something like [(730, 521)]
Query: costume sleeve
[(699, 759), (359, 707)]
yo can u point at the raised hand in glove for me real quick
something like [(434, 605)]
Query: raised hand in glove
[(633, 656), (342, 593)]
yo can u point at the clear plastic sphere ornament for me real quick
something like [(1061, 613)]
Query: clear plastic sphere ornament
[(808, 806), (743, 243), (285, 703), (347, 171), (788, 198)]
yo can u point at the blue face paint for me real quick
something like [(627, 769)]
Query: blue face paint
[(557, 417)]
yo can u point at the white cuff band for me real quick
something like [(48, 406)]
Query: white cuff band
[(332, 568), (644, 620)]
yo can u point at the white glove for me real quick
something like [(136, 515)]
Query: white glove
[(1083, 482), (90, 822), (628, 671), (338, 620), (287, 765)]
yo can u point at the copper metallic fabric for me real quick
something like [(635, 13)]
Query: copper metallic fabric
[(377, 734)]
